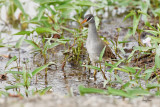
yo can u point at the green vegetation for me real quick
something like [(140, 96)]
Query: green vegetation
[(53, 18)]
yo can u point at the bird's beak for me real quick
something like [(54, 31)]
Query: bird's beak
[(85, 20)]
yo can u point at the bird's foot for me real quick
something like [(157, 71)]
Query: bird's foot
[(94, 74)]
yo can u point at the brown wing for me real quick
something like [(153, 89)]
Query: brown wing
[(108, 53)]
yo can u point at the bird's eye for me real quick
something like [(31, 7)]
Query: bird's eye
[(89, 18)]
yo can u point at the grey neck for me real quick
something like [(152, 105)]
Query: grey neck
[(92, 31)]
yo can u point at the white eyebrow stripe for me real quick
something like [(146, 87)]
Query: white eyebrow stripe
[(90, 19)]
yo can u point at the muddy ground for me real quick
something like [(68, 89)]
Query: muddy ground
[(73, 78), (73, 75)]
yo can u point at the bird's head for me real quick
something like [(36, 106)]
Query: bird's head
[(88, 18)]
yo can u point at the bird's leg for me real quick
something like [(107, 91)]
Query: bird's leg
[(115, 72), (104, 76), (95, 72), (89, 70), (89, 63)]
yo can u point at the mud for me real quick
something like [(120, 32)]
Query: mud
[(62, 81)]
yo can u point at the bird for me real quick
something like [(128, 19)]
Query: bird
[(95, 44)]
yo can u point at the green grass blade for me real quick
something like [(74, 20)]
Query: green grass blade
[(40, 30), (41, 12), (92, 67), (53, 45), (23, 33), (14, 86), (102, 53), (121, 69), (34, 44), (130, 69), (15, 72), (137, 92), (88, 3), (19, 42), (128, 15), (41, 68), (18, 4), (42, 92), (3, 93), (148, 73), (157, 57), (84, 90), (152, 32), (153, 85), (135, 23), (117, 92), (10, 61)]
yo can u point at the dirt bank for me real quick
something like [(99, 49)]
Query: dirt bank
[(52, 100)]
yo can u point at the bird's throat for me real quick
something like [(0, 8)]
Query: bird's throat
[(92, 31)]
